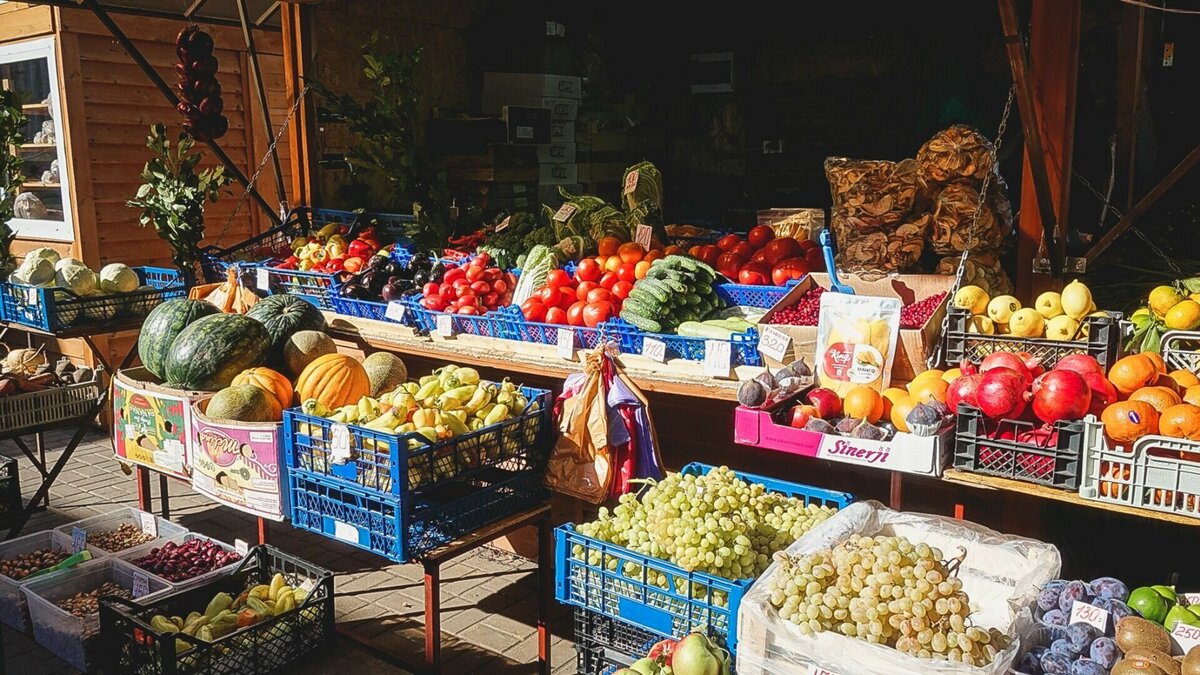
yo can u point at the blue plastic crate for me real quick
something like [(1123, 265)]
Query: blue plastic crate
[(493, 324), (547, 333), (268, 246), (746, 295), (57, 309), (743, 348), (618, 583), (383, 464)]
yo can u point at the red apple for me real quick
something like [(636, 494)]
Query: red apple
[(800, 416), (826, 401)]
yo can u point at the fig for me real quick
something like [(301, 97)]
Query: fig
[(868, 431), (846, 425), (752, 394), (924, 420), (820, 426), (800, 368)]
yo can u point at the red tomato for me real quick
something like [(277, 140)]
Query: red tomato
[(454, 273), (430, 289), (788, 268), (510, 279), (434, 302), (727, 242), (499, 285), (588, 270), (465, 291), (754, 274), (459, 283), (743, 250), (709, 254), (621, 289), (759, 256), (556, 315), (815, 258), (609, 279), (482, 259), (481, 287), (626, 272), (468, 309), (558, 278), (596, 312), (447, 292), (566, 298), (584, 288), (807, 244), (759, 236), (533, 310), (490, 299), (598, 295), (474, 273), (784, 247), (548, 295), (729, 264), (575, 313)]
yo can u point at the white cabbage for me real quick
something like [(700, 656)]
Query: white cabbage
[(78, 279), (118, 278), (43, 253)]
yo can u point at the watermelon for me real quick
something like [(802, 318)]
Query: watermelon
[(211, 351), (163, 325), (283, 316)]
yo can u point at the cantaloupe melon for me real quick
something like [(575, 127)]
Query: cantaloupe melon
[(244, 403), (304, 347), (386, 371)]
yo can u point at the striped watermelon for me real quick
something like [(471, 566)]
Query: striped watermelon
[(210, 352), (163, 325), (284, 316)]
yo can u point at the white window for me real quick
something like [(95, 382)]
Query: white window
[(43, 204)]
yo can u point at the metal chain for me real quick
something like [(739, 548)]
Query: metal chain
[(1106, 205), (263, 164)]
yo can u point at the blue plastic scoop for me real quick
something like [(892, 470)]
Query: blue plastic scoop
[(827, 246)]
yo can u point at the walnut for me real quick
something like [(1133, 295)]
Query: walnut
[(958, 153)]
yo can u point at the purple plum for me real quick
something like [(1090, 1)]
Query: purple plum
[(1065, 647), (1109, 588), (1075, 591), (1088, 667), (1054, 663), (1081, 635), (1104, 651), (1056, 617)]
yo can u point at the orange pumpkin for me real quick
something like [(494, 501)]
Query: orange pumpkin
[(270, 381), (334, 380)]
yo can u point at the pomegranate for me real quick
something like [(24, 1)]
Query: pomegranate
[(1034, 365), (1011, 361), (1061, 395), (968, 368), (1001, 393), (1103, 392), (1080, 363), (963, 390), (826, 401)]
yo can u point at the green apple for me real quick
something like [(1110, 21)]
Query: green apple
[(645, 667), (1151, 604), (1180, 614)]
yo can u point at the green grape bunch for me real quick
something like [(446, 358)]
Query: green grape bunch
[(888, 591)]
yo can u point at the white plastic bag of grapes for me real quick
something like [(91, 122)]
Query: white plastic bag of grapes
[(873, 591)]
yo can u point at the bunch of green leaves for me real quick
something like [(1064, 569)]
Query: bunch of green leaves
[(12, 126), (173, 194), (386, 144)]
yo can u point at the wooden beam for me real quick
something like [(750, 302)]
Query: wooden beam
[(193, 8), (264, 105), (300, 132), (1145, 203), (262, 18), (1131, 53)]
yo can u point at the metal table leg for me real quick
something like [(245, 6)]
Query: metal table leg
[(433, 617)]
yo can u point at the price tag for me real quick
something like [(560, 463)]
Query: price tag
[(716, 358), (644, 235), (445, 325), (149, 524), (565, 212), (774, 343), (395, 311), (1082, 612), (1185, 636), (262, 279), (818, 670), (566, 344), (653, 348), (241, 547), (141, 584), (339, 443), (631, 181), (345, 531), (1189, 598), (78, 539), (504, 224), (31, 296), (524, 133)]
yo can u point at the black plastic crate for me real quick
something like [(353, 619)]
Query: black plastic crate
[(1103, 342), (10, 491), (132, 646), (267, 246), (1017, 449), (605, 644)]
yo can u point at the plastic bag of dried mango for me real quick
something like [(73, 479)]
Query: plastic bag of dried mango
[(856, 341)]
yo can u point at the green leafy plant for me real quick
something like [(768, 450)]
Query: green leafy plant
[(387, 147), (12, 125), (173, 195)]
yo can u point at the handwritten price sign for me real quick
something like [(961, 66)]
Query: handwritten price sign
[(395, 311), (1081, 612), (339, 443), (566, 344), (78, 539), (141, 585), (818, 670), (263, 279), (644, 235), (1185, 636), (716, 358), (774, 343), (653, 348), (445, 325), (149, 524)]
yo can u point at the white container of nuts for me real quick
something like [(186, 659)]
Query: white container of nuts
[(18, 559), (123, 529)]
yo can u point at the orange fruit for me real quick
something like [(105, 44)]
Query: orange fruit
[(863, 402), (1159, 364), (928, 389), (1192, 395), (613, 263), (1159, 397), (608, 245), (1184, 378), (640, 269), (1180, 421), (901, 406), (673, 250), (890, 396), (1168, 382), (1127, 421), (631, 252), (1132, 373)]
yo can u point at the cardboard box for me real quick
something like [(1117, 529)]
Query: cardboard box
[(152, 424), (557, 153), (502, 163), (561, 109), (526, 125), (533, 85), (550, 195), (562, 131), (915, 345), (238, 463), (559, 174)]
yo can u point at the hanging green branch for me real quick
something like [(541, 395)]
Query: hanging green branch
[(385, 126), (12, 126), (172, 197)]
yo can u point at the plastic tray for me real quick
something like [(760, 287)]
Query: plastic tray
[(743, 346), (496, 324), (747, 295), (13, 608), (56, 309), (547, 333), (603, 644), (711, 605), (997, 448), (1181, 350), (404, 529), (132, 554), (1160, 474), (39, 409), (383, 464), (72, 638), (1103, 342), (10, 487), (114, 519), (131, 645)]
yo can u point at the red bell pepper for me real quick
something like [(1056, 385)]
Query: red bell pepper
[(361, 248)]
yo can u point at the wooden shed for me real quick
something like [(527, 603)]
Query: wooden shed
[(100, 106)]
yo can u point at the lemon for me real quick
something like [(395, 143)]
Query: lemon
[(1184, 315), (981, 324), (1163, 298), (1001, 309), (1076, 300), (1049, 304), (1027, 322), (971, 298), (1061, 328), (952, 374), (894, 394), (930, 374), (1142, 311)]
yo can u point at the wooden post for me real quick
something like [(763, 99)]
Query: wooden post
[(263, 104), (301, 129)]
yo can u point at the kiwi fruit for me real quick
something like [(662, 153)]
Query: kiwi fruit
[(1191, 662), (1161, 659), (1133, 632), (1136, 667)]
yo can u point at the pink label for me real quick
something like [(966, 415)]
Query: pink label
[(855, 451)]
